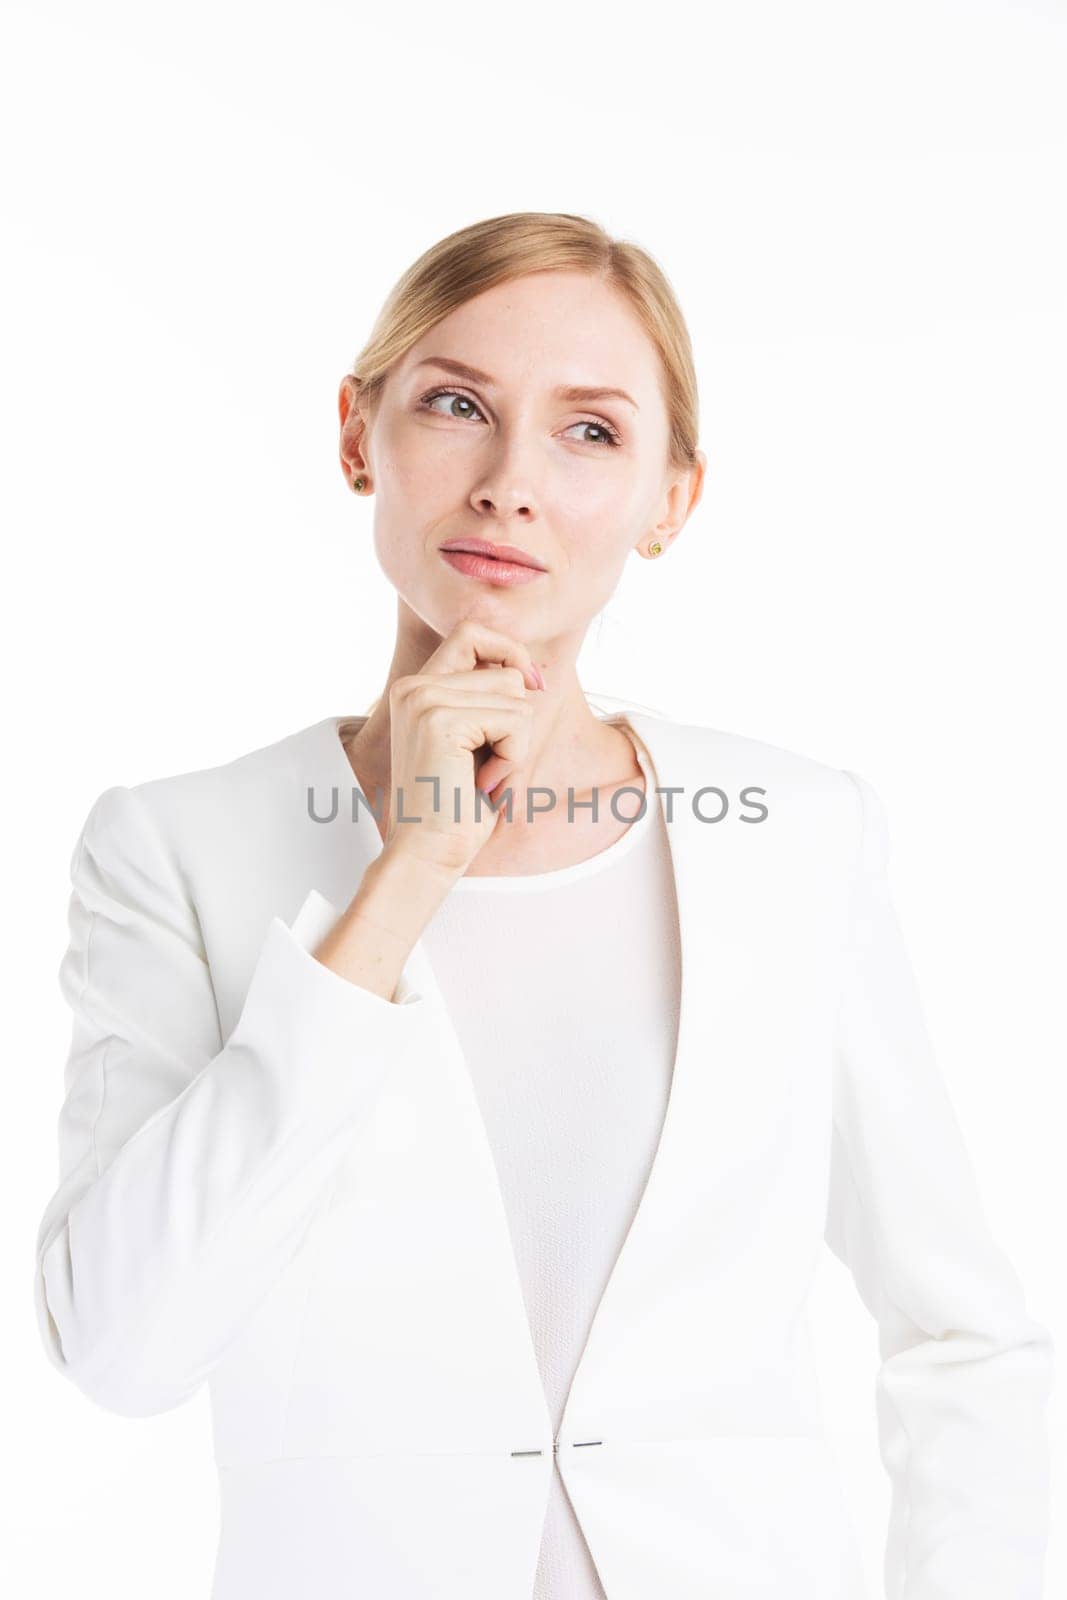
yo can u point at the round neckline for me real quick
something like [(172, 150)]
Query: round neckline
[(556, 877)]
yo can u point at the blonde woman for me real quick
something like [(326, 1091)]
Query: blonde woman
[(465, 1090)]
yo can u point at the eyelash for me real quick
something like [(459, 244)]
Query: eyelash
[(612, 441)]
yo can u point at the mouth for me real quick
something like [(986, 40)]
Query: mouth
[(508, 553), (503, 565)]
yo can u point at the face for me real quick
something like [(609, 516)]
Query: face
[(500, 453)]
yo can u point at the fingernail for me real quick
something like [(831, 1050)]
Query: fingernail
[(540, 677)]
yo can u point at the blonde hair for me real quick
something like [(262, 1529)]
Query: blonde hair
[(475, 258)]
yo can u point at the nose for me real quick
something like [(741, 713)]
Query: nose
[(503, 501), (504, 487)]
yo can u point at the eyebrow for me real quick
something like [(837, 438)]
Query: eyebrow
[(572, 391)]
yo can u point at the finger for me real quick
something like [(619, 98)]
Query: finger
[(508, 750), (504, 736), (428, 695), (484, 680), (493, 772), (420, 690), (471, 643)]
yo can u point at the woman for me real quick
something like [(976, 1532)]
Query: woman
[(478, 1152)]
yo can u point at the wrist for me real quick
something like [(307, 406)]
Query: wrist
[(401, 890)]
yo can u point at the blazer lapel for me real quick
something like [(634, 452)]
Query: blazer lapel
[(715, 1114)]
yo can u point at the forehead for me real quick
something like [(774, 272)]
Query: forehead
[(546, 329)]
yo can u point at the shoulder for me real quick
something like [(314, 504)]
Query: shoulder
[(689, 743), (163, 820), (820, 799)]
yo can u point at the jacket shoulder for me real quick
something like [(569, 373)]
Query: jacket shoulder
[(701, 742), (826, 812), (228, 800)]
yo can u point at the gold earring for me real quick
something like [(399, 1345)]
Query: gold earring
[(654, 548), (358, 485)]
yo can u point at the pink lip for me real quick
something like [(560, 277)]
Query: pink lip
[(497, 552), (504, 574)]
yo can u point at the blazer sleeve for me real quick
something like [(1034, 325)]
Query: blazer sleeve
[(965, 1372), (190, 1169)]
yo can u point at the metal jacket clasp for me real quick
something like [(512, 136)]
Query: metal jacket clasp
[(579, 1444)]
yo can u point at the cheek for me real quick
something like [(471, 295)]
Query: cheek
[(594, 517), (407, 474), (414, 459), (601, 492), (415, 493)]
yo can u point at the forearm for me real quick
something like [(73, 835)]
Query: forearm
[(374, 936)]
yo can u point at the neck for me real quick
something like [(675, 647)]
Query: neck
[(570, 746)]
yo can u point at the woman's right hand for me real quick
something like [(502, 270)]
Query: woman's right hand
[(470, 694)]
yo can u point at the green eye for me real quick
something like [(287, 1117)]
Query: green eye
[(609, 440)]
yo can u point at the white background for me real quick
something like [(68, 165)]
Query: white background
[(861, 208)]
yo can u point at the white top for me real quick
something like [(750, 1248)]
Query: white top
[(563, 987)]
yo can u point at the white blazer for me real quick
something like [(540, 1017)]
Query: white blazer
[(279, 1184)]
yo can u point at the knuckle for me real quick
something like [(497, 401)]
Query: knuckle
[(423, 697)]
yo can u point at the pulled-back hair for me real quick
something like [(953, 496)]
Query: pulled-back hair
[(475, 258)]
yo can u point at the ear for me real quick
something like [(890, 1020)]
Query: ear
[(353, 431), (681, 496)]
